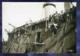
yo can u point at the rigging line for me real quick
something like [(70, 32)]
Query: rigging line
[(60, 37), (54, 37)]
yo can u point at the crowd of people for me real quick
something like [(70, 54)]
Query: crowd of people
[(57, 18)]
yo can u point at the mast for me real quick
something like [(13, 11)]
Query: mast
[(46, 14)]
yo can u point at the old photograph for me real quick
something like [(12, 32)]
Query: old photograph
[(38, 27)]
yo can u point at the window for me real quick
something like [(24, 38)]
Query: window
[(38, 37)]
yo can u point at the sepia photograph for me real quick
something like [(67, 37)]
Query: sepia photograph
[(38, 27)]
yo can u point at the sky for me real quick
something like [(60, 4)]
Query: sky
[(20, 13)]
